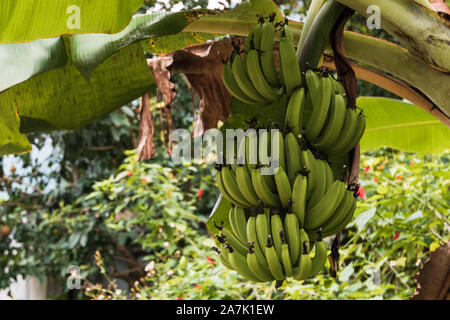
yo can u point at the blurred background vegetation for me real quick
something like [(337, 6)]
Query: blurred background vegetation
[(137, 230)]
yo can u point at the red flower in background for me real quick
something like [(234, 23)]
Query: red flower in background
[(396, 236), (179, 298), (199, 193), (366, 169), (400, 177), (197, 286), (129, 173), (411, 163), (361, 192), (375, 180), (143, 180), (210, 260)]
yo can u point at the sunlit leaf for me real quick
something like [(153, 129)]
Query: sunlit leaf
[(28, 20), (402, 126)]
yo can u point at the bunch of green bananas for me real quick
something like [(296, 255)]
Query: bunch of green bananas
[(322, 117), (278, 219), (302, 201), (252, 77), (265, 245)]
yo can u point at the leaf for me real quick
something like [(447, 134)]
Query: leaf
[(363, 218), (11, 140), (403, 126), (28, 20), (20, 62), (219, 213), (414, 216), (62, 99), (89, 50), (382, 189), (346, 273), (53, 100)]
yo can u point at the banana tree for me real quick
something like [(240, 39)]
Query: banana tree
[(91, 60)]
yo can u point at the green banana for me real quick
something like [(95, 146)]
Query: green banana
[(320, 258), (283, 187), (337, 116), (252, 237), (292, 230), (299, 197), (319, 113), (266, 57), (232, 86), (232, 220), (244, 182), (340, 212), (313, 84), (294, 111), (347, 132), (305, 265), (289, 63), (239, 263), (223, 257), (357, 135), (320, 177), (276, 227), (309, 163), (224, 191), (338, 88), (329, 174), (263, 191), (325, 207), (304, 238), (263, 147), (262, 227), (229, 181), (293, 159), (274, 264), (240, 223), (346, 220), (262, 272), (253, 39), (233, 240), (256, 75), (240, 75), (281, 154), (251, 150), (285, 256)]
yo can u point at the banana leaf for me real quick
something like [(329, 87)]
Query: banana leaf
[(28, 20), (402, 126)]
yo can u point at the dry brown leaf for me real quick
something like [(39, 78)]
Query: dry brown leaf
[(202, 65), (146, 148), (162, 77), (433, 279)]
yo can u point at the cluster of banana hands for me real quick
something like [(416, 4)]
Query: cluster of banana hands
[(277, 221)]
